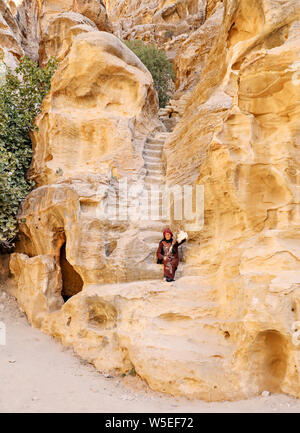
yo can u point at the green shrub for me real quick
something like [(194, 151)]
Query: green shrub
[(21, 95), (158, 65)]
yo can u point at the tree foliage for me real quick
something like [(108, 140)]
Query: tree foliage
[(158, 65), (21, 94)]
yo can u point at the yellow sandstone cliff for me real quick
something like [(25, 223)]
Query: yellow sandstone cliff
[(228, 327)]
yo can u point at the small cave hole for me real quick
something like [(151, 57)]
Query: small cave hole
[(226, 334), (65, 297), (72, 282), (268, 360)]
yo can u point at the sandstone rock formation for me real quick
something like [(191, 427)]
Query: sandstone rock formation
[(184, 29), (101, 105), (96, 119), (95, 11), (182, 341), (48, 27), (58, 37), (91, 9), (166, 23), (27, 17), (10, 37), (228, 328), (238, 137)]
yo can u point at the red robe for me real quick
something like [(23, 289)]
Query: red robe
[(172, 259)]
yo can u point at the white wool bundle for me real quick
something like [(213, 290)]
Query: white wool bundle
[(181, 235)]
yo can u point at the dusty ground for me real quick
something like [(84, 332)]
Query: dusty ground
[(37, 374)]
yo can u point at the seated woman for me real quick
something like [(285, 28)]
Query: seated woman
[(167, 253)]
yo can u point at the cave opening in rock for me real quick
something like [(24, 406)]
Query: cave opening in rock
[(72, 282), (268, 360)]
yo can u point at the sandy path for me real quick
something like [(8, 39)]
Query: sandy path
[(37, 374)]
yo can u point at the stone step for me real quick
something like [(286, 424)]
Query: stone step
[(155, 165), (155, 140), (161, 136), (160, 133), (154, 172), (152, 153), (156, 181), (155, 175), (153, 146), (155, 178), (151, 159), (167, 107)]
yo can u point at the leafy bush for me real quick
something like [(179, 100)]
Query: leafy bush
[(158, 65), (21, 95)]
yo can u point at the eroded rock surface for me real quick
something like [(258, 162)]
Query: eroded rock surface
[(181, 338), (101, 107), (166, 23), (228, 328), (10, 37), (92, 132), (239, 137)]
